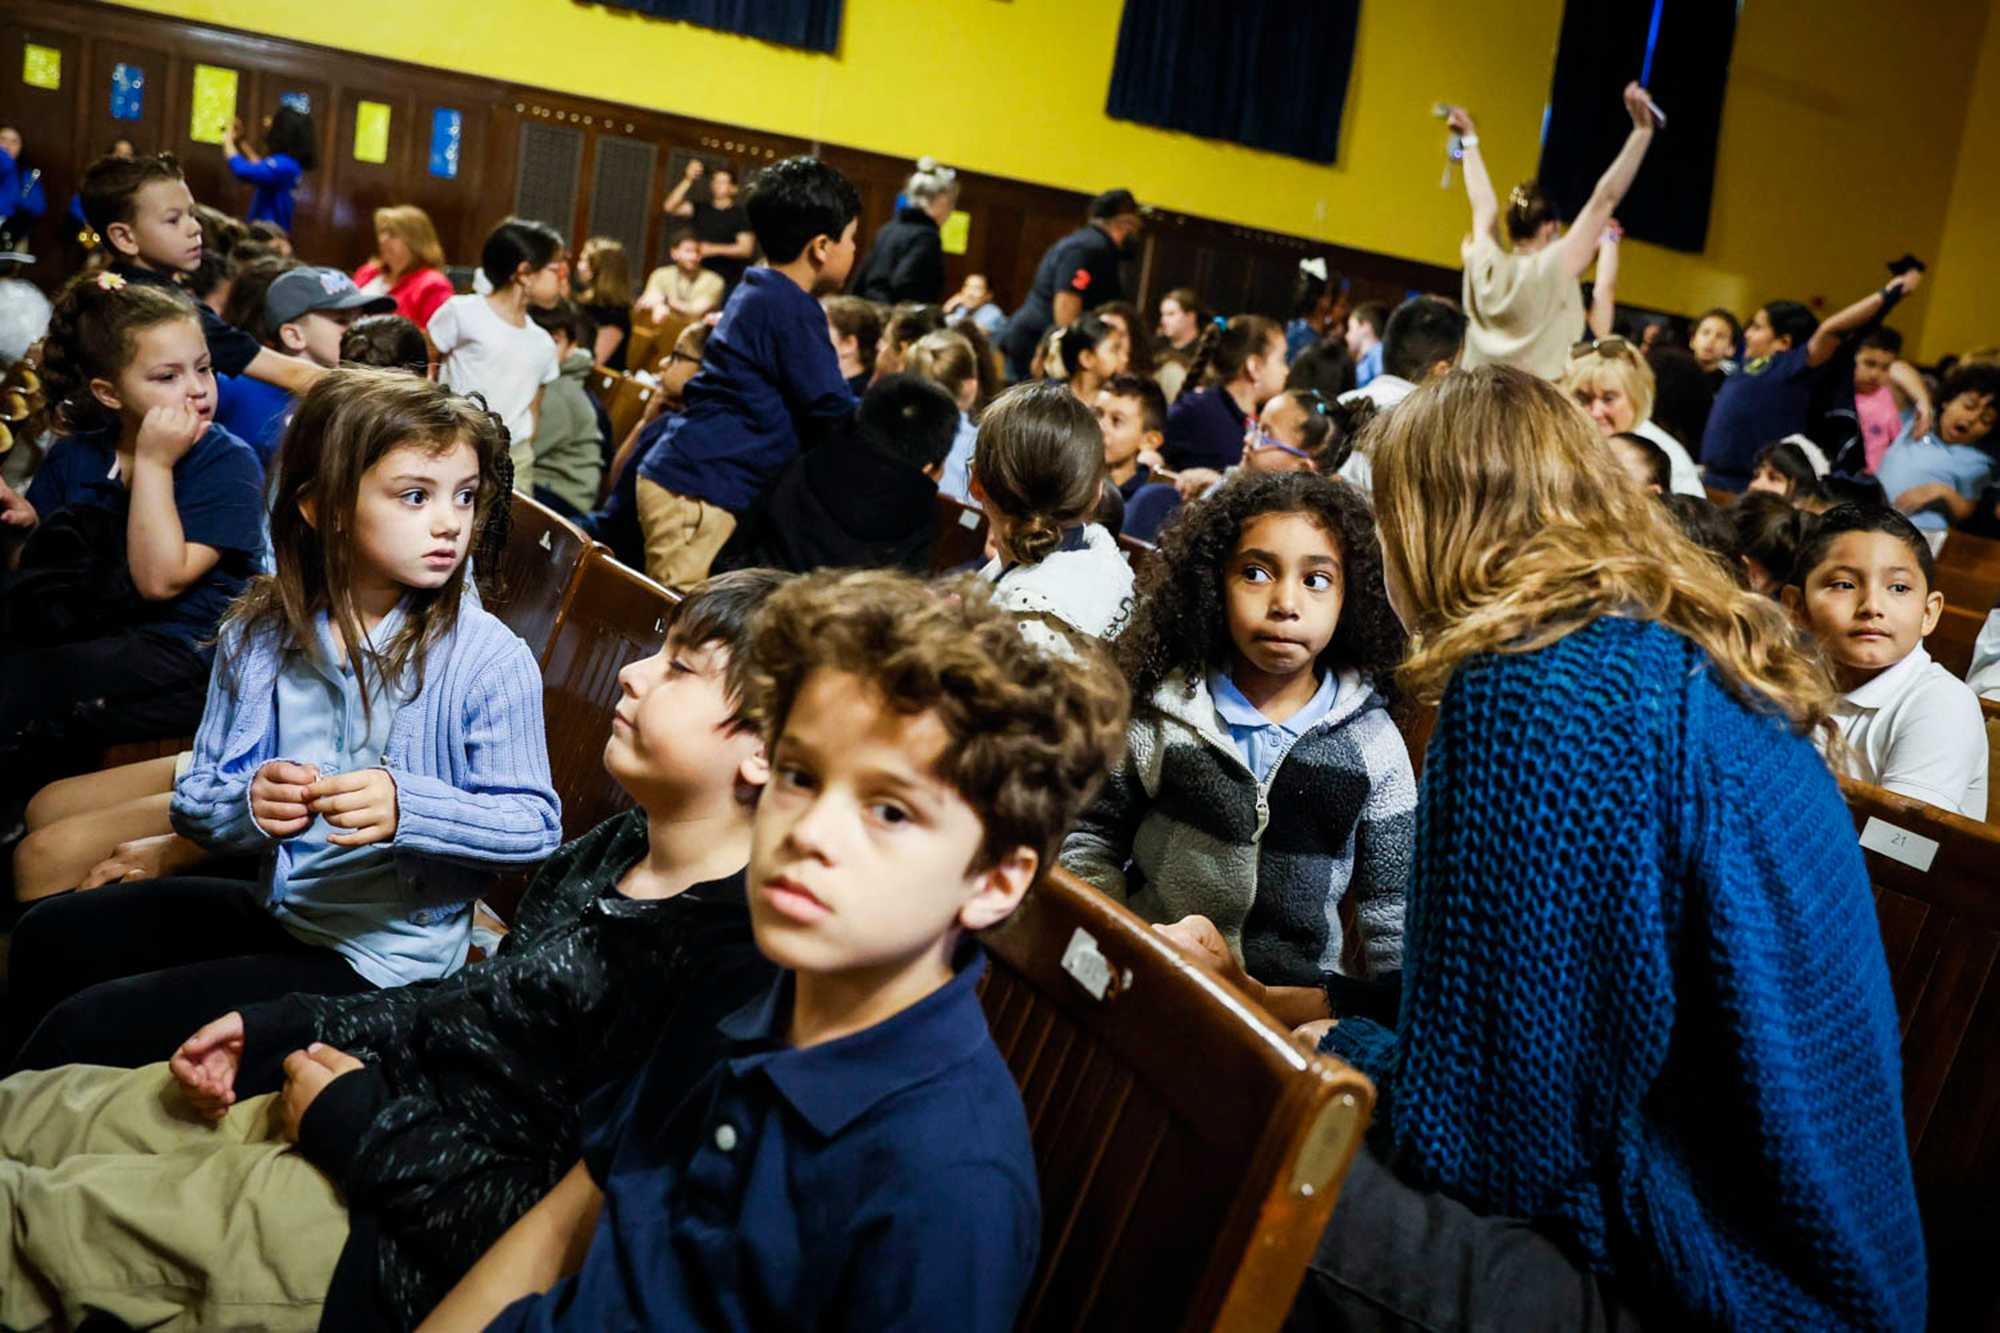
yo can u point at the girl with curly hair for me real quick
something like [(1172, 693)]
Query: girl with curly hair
[(1264, 786)]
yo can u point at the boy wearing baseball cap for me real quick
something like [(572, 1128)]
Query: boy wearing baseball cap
[(304, 313)]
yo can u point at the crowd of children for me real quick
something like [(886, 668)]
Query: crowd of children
[(728, 1067)]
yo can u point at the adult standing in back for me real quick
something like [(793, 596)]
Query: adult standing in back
[(907, 261), (1524, 303), (720, 224), (1077, 273)]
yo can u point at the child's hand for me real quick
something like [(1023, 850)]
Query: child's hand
[(279, 799), (1908, 281), (1197, 937), (307, 1073), (205, 1065), (15, 511), (1639, 103), (1309, 1035), (1192, 481), (362, 802), (141, 858), (1920, 497), (1459, 121), (168, 433), (1921, 423), (1152, 461)]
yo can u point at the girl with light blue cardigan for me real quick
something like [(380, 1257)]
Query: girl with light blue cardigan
[(370, 732)]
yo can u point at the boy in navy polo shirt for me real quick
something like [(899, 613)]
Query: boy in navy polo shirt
[(143, 209), (859, 1158), (1769, 398), (769, 380)]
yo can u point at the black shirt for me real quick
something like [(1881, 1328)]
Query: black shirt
[(612, 317), (230, 349), (469, 1109), (906, 262), (1084, 263), (721, 226)]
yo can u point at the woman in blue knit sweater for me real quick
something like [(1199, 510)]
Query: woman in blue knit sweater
[(370, 732), (1645, 1057)]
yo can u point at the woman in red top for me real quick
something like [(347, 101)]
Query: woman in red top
[(408, 263)]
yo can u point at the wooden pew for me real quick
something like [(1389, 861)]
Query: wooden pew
[(1175, 1195), (960, 536), (1937, 896), (1990, 710), (624, 400), (1951, 642), (539, 568)]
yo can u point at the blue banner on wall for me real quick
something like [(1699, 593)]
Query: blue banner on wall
[(447, 128), (128, 92)]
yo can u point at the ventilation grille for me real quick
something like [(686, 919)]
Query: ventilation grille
[(621, 192), (551, 160)]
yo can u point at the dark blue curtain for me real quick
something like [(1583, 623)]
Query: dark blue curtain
[(1267, 73), (1680, 50), (813, 24)]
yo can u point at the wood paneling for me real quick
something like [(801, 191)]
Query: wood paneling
[(1013, 221)]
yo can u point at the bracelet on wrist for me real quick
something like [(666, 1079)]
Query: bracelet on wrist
[(1468, 141)]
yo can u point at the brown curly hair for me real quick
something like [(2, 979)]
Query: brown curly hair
[(91, 336), (1182, 621), (1032, 731)]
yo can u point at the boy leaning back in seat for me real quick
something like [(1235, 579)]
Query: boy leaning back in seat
[(858, 1158)]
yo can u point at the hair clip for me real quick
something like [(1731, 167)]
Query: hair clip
[(1221, 321), (1518, 196), (108, 281)]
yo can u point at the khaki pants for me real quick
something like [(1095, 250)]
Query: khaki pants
[(682, 534), (121, 1198)]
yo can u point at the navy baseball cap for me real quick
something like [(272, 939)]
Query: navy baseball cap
[(301, 291)]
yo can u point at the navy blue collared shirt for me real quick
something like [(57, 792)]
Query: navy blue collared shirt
[(882, 1181), (769, 383)]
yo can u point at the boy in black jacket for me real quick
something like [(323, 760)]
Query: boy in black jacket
[(867, 498), (441, 1111)]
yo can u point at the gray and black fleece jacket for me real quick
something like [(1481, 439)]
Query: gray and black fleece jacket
[(1183, 827)]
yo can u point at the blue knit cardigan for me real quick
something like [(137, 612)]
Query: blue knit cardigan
[(469, 756), (1645, 1002)]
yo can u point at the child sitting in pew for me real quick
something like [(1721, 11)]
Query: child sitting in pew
[(372, 734), (859, 1157), (1264, 785), (1862, 585), (1038, 471), (428, 1119), (139, 527)]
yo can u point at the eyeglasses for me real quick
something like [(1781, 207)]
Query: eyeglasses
[(1258, 438), (1618, 347), (679, 356)]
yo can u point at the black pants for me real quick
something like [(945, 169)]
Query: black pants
[(124, 974), (1394, 1259), (59, 706)]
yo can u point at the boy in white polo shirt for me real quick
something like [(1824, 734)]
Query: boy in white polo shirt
[(1862, 584)]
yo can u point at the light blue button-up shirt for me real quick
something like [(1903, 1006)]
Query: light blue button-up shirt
[(1258, 739), (1910, 461), (351, 899)]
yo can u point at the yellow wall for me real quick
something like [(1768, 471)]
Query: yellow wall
[(1840, 137), (1965, 309)]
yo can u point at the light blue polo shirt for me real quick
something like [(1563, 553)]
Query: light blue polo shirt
[(1966, 468), (352, 899), (1258, 739)]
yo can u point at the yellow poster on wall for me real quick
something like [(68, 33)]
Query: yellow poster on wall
[(214, 103), (41, 66), (957, 230), (371, 132)]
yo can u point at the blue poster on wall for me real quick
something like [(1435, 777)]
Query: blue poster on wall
[(447, 127), (299, 102), (128, 92)]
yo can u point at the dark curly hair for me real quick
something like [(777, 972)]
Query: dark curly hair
[(1182, 623)]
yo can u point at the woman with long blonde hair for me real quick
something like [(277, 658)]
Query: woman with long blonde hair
[(1645, 1054), (1638, 897), (408, 263)]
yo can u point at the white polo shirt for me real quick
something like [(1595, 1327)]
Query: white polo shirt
[(1984, 674), (1916, 731)]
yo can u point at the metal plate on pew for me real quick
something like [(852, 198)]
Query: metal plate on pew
[(1912, 849), (1090, 969)]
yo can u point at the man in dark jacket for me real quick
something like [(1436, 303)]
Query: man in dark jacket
[(1078, 273), (867, 498)]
